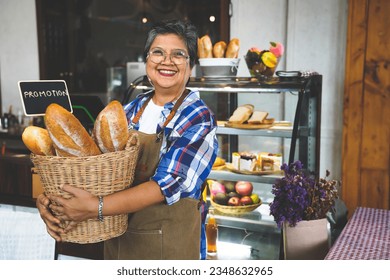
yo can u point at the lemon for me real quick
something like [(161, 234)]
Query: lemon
[(255, 198), (269, 59)]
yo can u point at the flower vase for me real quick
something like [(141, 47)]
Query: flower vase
[(308, 240)]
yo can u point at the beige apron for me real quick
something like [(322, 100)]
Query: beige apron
[(159, 231)]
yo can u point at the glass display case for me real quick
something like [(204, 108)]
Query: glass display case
[(298, 104), (301, 107)]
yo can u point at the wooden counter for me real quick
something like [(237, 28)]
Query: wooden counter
[(16, 180)]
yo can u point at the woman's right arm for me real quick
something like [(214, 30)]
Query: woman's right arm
[(52, 223)]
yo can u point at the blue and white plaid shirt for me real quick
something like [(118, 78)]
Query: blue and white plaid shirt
[(192, 149)]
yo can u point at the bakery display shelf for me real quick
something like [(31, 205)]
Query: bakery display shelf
[(247, 84), (257, 220), (242, 84), (269, 132), (230, 176)]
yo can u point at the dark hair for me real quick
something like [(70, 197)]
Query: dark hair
[(185, 30)]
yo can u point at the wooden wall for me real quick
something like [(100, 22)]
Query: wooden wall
[(366, 128)]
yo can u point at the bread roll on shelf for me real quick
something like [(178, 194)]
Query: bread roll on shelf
[(219, 49), (233, 48), (205, 47)]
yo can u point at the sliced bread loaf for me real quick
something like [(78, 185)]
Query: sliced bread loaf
[(257, 117)]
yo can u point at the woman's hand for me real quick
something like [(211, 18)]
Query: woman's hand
[(79, 207), (52, 223)]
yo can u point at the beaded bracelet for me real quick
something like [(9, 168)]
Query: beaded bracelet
[(100, 209)]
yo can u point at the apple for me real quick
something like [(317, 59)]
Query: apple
[(234, 201), (217, 187), (244, 188), (277, 49), (246, 200)]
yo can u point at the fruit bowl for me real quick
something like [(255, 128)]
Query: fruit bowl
[(235, 210), (259, 69), (262, 63)]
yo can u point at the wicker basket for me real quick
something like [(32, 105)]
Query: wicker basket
[(234, 210), (100, 175)]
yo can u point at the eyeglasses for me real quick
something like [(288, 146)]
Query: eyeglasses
[(176, 56)]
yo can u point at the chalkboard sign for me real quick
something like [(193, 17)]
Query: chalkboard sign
[(37, 95)]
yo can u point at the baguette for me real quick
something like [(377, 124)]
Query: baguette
[(110, 131), (233, 48), (70, 139), (38, 141)]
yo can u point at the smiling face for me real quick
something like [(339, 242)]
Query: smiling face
[(167, 77)]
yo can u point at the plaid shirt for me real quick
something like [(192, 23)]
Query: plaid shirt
[(188, 151)]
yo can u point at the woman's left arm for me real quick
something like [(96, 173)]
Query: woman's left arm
[(188, 161)]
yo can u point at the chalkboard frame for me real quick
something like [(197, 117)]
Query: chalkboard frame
[(36, 95)]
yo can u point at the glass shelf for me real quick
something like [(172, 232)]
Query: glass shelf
[(247, 84), (230, 176), (270, 132)]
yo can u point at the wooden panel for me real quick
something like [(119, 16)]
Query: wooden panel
[(366, 130), (376, 123), (374, 194), (353, 102)]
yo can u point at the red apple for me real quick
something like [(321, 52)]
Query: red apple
[(234, 201), (244, 188), (246, 200)]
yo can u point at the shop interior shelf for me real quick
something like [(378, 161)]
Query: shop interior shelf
[(230, 176), (257, 220)]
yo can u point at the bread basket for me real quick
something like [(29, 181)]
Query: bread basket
[(234, 210), (100, 175)]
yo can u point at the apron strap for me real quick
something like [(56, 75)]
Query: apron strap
[(171, 114), (135, 120)]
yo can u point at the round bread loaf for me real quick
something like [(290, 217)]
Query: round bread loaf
[(38, 141), (69, 136), (110, 131)]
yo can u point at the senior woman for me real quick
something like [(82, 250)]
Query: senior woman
[(178, 132)]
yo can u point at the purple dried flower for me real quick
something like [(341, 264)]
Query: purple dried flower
[(299, 197)]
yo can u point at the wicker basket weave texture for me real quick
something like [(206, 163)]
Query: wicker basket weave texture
[(234, 210), (100, 175)]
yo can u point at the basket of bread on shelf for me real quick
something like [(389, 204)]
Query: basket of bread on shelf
[(219, 59), (234, 198), (101, 162)]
